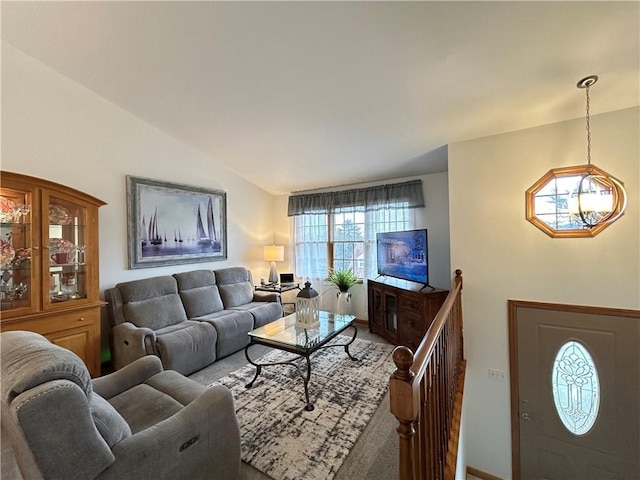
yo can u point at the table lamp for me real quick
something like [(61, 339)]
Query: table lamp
[(273, 254)]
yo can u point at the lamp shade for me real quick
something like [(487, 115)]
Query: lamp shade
[(274, 253)]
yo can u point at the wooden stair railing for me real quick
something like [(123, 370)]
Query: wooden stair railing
[(425, 394)]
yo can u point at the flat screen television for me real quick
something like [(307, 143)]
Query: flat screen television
[(404, 255)]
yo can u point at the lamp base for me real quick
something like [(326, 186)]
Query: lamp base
[(273, 273)]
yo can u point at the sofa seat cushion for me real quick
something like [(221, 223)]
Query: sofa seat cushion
[(143, 406), (233, 327), (187, 347), (262, 312)]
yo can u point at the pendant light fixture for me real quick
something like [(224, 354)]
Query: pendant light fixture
[(598, 199)]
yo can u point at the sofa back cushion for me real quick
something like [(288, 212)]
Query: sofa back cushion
[(28, 359), (46, 390), (235, 286), (152, 302), (199, 292)]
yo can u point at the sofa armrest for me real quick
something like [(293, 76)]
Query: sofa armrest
[(200, 441), (259, 296), (131, 343), (127, 377)]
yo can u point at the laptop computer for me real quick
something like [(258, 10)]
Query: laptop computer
[(286, 279)]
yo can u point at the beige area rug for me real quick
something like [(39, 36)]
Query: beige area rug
[(283, 440)]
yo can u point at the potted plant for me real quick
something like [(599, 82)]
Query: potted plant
[(344, 278)]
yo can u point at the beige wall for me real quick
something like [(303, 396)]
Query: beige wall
[(56, 129), (505, 257)]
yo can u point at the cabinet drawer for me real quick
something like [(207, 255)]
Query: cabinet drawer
[(46, 324), (410, 305), (78, 331)]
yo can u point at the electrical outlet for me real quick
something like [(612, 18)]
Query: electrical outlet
[(497, 375)]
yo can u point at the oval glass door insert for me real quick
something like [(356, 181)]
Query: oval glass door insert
[(576, 388)]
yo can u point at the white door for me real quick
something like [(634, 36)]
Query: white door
[(575, 375)]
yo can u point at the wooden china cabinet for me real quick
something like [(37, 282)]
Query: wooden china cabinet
[(49, 264)]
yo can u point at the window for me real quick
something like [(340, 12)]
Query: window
[(338, 229), (345, 238), (551, 202), (576, 388)]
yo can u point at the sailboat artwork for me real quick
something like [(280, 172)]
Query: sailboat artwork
[(145, 234), (207, 237), (154, 238), (174, 224)]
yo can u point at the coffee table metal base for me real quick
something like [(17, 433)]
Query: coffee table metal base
[(305, 373)]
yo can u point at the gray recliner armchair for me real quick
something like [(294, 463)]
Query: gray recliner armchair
[(139, 422)]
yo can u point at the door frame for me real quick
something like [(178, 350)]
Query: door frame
[(514, 378)]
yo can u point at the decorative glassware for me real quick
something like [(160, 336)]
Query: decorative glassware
[(7, 254), (7, 207), (20, 210)]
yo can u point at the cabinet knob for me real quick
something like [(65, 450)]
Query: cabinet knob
[(410, 323), (35, 247), (81, 319)]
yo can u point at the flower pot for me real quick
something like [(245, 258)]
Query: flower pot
[(344, 303)]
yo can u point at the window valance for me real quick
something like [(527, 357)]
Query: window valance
[(403, 195)]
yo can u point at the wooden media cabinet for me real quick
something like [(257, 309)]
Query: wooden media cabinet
[(402, 311)]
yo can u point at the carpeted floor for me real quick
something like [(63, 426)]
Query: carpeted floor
[(287, 442), (375, 454)]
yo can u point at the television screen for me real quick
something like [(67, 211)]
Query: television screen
[(404, 255)]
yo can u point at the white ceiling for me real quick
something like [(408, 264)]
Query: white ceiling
[(303, 95)]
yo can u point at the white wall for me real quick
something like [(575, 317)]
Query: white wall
[(504, 257), (434, 217)]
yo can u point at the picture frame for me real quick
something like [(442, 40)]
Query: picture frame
[(173, 224)]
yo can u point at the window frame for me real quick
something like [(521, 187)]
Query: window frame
[(399, 216), (553, 174)]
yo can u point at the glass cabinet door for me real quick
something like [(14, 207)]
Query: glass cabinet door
[(17, 293), (391, 313), (65, 259)]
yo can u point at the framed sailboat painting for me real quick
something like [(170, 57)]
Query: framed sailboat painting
[(171, 224)]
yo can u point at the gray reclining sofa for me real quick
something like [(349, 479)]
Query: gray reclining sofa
[(187, 319)]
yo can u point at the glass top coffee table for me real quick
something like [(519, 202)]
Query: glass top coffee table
[(302, 340)]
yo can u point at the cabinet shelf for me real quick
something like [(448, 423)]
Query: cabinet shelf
[(62, 265)]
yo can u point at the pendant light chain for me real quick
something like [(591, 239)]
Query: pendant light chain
[(588, 131)]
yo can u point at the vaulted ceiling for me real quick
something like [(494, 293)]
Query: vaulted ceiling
[(303, 95)]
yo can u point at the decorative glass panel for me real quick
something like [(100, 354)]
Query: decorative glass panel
[(576, 388)]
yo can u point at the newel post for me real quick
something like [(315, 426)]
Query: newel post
[(458, 278), (404, 406)]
